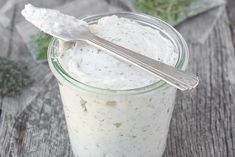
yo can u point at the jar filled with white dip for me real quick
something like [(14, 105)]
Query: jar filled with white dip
[(112, 108)]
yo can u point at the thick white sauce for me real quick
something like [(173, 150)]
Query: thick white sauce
[(98, 68)]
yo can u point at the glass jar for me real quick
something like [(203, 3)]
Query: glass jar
[(119, 123)]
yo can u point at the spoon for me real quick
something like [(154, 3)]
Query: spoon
[(68, 28)]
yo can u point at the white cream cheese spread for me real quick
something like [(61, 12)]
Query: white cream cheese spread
[(100, 69)]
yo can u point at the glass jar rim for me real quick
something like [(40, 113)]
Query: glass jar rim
[(63, 77)]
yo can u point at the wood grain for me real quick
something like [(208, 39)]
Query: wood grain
[(41, 129), (231, 14), (203, 122)]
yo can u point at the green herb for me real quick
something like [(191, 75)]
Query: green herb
[(13, 78), (83, 104), (39, 44), (227, 21), (111, 103), (8, 117), (118, 124), (168, 10)]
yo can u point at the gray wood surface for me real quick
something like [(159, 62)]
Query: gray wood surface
[(203, 122)]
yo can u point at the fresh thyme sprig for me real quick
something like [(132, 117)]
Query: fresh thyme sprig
[(13, 78), (168, 10)]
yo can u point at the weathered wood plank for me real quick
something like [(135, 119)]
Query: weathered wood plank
[(4, 40), (41, 130), (231, 20), (203, 122)]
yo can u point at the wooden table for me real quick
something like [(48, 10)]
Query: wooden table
[(203, 122)]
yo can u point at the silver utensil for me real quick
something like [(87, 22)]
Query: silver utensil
[(169, 74), (50, 21)]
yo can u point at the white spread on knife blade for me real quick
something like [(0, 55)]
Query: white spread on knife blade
[(49, 20)]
